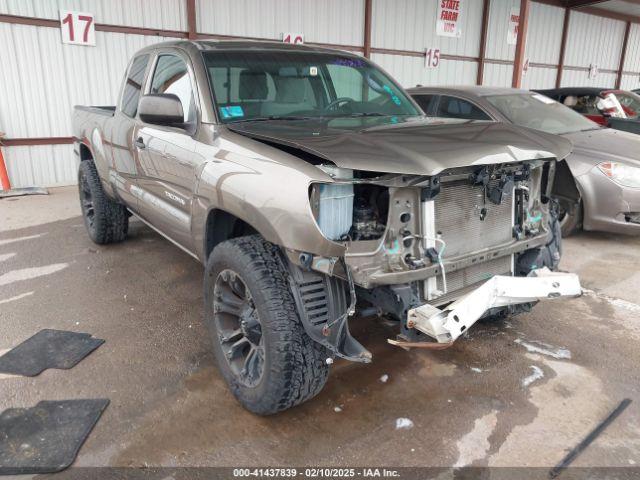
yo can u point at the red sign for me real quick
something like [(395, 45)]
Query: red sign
[(448, 21), (77, 28), (294, 38), (514, 23)]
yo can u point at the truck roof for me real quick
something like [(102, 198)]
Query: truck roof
[(254, 45)]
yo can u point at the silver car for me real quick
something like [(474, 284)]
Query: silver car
[(597, 186)]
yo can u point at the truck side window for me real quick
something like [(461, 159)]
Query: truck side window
[(171, 76), (133, 85), (452, 107)]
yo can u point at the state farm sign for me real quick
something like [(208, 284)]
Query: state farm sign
[(449, 16), (514, 25)]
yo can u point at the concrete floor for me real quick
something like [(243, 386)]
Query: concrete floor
[(479, 403)]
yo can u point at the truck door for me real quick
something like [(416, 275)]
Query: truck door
[(168, 163), (124, 169)]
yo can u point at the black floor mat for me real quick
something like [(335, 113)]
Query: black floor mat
[(47, 437), (48, 349)]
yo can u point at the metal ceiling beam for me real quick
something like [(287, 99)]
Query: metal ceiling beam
[(191, 20), (623, 55), (610, 14), (599, 12), (483, 41), (521, 44), (563, 46), (580, 3), (368, 9)]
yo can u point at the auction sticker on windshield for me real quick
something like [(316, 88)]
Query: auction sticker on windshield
[(232, 111)]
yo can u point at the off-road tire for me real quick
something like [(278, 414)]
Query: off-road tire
[(295, 367), (106, 220)]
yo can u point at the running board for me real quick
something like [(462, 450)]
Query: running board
[(446, 325)]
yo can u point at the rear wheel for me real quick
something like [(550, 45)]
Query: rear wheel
[(106, 220), (261, 347)]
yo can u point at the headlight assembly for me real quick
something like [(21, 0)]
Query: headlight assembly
[(621, 174)]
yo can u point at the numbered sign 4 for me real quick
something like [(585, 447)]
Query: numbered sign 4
[(77, 28), (292, 38), (431, 57)]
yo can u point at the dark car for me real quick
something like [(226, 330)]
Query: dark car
[(617, 109), (597, 186)]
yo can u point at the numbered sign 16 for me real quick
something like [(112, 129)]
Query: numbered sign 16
[(77, 28), (292, 38), (432, 57)]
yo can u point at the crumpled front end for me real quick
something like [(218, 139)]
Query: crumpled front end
[(418, 243)]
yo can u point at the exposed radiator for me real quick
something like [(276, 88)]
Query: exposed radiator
[(459, 220), (465, 280)]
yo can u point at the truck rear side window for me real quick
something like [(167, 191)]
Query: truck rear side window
[(133, 86)]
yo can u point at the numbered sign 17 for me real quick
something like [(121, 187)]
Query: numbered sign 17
[(77, 28)]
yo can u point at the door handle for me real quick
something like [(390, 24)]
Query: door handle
[(140, 143)]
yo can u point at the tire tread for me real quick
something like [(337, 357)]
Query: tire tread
[(298, 368), (111, 221)]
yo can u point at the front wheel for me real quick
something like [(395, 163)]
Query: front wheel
[(261, 347)]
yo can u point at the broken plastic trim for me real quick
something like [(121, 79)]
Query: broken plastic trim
[(446, 325), (324, 310)]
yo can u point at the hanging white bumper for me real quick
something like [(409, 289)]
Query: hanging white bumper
[(448, 324)]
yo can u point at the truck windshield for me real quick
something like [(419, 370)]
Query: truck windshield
[(255, 85), (541, 113)]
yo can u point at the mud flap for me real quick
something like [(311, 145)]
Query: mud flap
[(323, 305), (446, 325)]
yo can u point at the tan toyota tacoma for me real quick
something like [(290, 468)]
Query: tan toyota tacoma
[(313, 189)]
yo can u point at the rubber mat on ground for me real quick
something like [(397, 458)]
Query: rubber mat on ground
[(48, 349), (47, 437)]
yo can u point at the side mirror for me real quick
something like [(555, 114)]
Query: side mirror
[(161, 109)]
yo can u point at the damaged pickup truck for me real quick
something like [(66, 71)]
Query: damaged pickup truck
[(313, 189)]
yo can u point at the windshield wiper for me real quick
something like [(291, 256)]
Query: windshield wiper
[(363, 114), (273, 117)]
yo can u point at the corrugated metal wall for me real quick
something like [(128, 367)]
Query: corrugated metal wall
[(595, 41), (411, 25), (544, 34), (410, 71), (497, 46), (42, 79), (162, 14), (632, 60), (329, 21)]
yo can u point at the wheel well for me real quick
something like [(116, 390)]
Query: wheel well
[(223, 226), (564, 185), (85, 153)]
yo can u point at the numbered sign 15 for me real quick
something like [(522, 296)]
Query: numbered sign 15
[(432, 57), (292, 38), (77, 28)]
